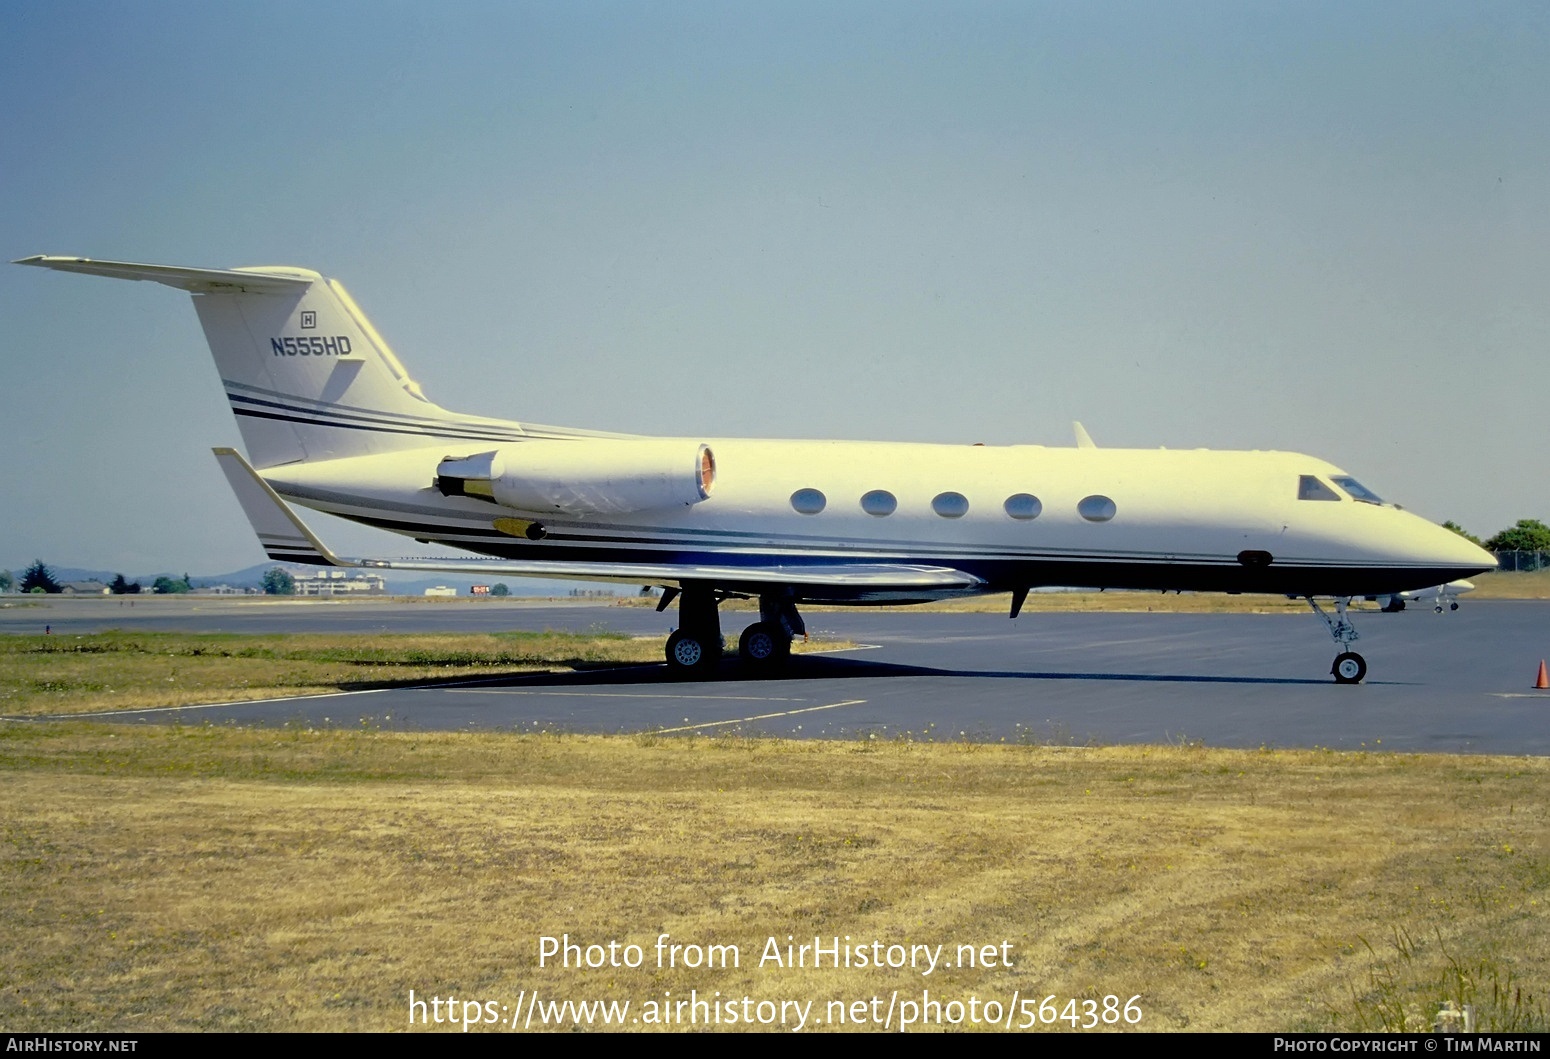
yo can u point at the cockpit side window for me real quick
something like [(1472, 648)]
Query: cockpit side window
[(1312, 488), (1358, 491)]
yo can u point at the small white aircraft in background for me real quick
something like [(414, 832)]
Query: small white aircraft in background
[(332, 421), (1441, 597)]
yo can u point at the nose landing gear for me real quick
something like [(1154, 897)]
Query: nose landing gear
[(1349, 667)]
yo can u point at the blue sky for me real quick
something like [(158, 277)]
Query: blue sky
[(1318, 227)]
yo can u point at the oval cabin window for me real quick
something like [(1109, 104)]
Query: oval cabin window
[(879, 502), (1096, 508), (808, 501), (1023, 506), (950, 505)]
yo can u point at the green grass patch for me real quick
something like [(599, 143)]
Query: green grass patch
[(65, 674), (135, 670)]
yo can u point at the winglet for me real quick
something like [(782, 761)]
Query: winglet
[(283, 535), (1083, 439)]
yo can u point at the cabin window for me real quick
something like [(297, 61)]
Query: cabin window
[(1311, 488), (879, 502), (1023, 506), (1358, 491), (808, 501), (950, 505), (1096, 508)]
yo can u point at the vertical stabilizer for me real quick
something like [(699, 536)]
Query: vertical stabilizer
[(308, 376)]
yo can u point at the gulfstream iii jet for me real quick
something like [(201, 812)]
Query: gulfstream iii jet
[(332, 421)]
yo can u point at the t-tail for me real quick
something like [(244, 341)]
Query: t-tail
[(308, 376)]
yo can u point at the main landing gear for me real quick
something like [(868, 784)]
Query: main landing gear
[(695, 649), (1349, 667)]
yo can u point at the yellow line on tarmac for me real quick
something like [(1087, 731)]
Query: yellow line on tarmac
[(760, 717)]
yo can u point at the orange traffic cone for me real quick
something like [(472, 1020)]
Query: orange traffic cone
[(1544, 678)]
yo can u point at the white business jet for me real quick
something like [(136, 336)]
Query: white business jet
[(332, 421), (1441, 597)]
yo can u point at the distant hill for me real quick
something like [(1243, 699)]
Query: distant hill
[(250, 577)]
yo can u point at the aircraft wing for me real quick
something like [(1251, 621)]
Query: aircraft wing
[(286, 538)]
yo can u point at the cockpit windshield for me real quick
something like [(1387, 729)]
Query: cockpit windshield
[(1310, 487), (1357, 490)]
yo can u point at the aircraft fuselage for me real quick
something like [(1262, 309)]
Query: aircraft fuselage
[(1021, 515)]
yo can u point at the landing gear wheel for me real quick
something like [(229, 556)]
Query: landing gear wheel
[(764, 646), (1349, 668), (690, 655)]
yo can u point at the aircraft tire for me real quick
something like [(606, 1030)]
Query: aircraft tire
[(763, 647), (691, 656), (1349, 668)]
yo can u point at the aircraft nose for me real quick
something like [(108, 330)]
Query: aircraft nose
[(1455, 550)]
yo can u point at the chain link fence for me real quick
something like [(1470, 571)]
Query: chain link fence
[(1523, 562)]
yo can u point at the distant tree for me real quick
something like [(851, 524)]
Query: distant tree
[(279, 583), (167, 586), (499, 589), (122, 587), (1461, 531), (39, 577), (1529, 535), (7, 581)]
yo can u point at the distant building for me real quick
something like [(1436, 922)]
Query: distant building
[(337, 583), (84, 588)]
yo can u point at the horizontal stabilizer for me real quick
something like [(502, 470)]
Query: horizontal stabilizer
[(193, 280)]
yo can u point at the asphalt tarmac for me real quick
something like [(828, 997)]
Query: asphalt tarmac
[(1456, 683)]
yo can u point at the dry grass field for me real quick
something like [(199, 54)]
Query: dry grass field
[(1500, 585), (218, 878)]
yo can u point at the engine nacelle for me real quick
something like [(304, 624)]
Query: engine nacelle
[(584, 477)]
